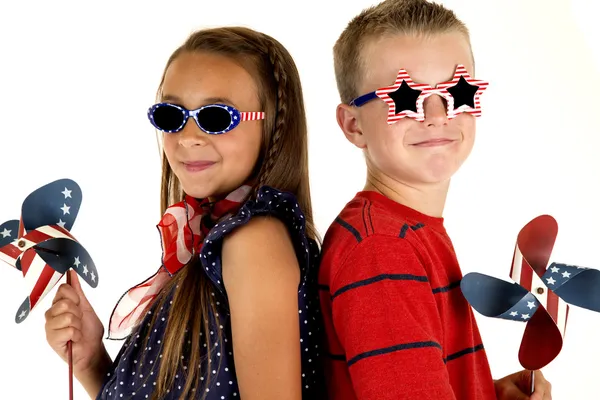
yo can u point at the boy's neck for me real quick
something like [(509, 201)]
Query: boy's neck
[(426, 199)]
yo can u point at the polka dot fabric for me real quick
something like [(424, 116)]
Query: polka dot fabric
[(136, 367)]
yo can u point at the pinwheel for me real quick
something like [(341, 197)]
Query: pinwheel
[(41, 246), (540, 295)]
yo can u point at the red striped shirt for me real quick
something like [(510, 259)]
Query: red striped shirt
[(396, 322)]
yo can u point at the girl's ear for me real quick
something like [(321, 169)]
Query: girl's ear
[(347, 119)]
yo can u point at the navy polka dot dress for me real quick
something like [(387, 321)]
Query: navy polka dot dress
[(135, 369)]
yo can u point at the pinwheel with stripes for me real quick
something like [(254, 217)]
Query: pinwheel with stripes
[(40, 243), (540, 295)]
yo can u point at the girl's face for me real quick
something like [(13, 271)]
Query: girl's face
[(209, 165)]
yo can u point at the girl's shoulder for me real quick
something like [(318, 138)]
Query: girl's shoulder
[(271, 202)]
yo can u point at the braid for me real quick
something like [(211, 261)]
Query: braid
[(281, 108)]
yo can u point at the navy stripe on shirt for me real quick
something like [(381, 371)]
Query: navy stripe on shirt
[(391, 349), (406, 346), (464, 352), (379, 278), (445, 289), (349, 228), (405, 227)]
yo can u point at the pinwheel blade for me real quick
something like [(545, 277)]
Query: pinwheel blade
[(56, 203), (496, 298), (541, 343), (65, 253), (578, 286), (9, 232)]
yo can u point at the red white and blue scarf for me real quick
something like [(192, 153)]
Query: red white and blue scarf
[(182, 229)]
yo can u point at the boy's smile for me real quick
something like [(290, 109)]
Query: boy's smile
[(434, 142)]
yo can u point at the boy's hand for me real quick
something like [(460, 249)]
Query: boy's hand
[(518, 385)]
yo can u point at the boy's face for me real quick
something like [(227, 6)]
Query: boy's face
[(407, 150)]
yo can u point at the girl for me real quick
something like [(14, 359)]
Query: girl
[(233, 310)]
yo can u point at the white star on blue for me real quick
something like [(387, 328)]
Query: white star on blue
[(558, 274), (523, 310)]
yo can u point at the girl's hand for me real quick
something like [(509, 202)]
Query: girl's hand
[(72, 317)]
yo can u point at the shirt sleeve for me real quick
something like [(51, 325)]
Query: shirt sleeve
[(387, 320)]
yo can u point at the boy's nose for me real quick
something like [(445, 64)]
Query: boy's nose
[(435, 109)]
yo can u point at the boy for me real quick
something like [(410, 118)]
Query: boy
[(396, 322)]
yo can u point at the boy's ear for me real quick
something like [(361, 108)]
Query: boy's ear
[(347, 118)]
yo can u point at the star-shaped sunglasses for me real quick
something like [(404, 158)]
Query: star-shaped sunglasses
[(213, 119), (405, 97)]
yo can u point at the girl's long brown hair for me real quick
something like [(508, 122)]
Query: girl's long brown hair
[(282, 164)]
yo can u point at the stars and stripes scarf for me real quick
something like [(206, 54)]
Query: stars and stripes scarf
[(182, 229)]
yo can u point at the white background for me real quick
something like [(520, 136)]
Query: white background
[(76, 79)]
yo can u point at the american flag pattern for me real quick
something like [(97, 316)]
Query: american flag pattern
[(40, 244), (462, 95), (523, 273), (539, 295), (182, 229), (236, 117), (252, 116)]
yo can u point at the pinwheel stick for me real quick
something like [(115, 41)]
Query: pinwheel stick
[(70, 353), (69, 343)]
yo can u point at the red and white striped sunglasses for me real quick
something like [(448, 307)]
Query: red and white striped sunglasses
[(405, 97), (213, 119)]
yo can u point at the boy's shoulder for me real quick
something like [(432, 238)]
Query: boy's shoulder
[(375, 235), (373, 223), (372, 214)]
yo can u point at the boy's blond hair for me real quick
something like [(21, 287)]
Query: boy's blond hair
[(410, 17)]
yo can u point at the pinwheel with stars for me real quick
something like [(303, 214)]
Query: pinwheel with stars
[(40, 244), (540, 295)]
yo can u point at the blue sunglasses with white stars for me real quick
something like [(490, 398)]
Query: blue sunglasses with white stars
[(213, 119)]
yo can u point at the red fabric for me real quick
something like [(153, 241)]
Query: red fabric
[(396, 322)]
